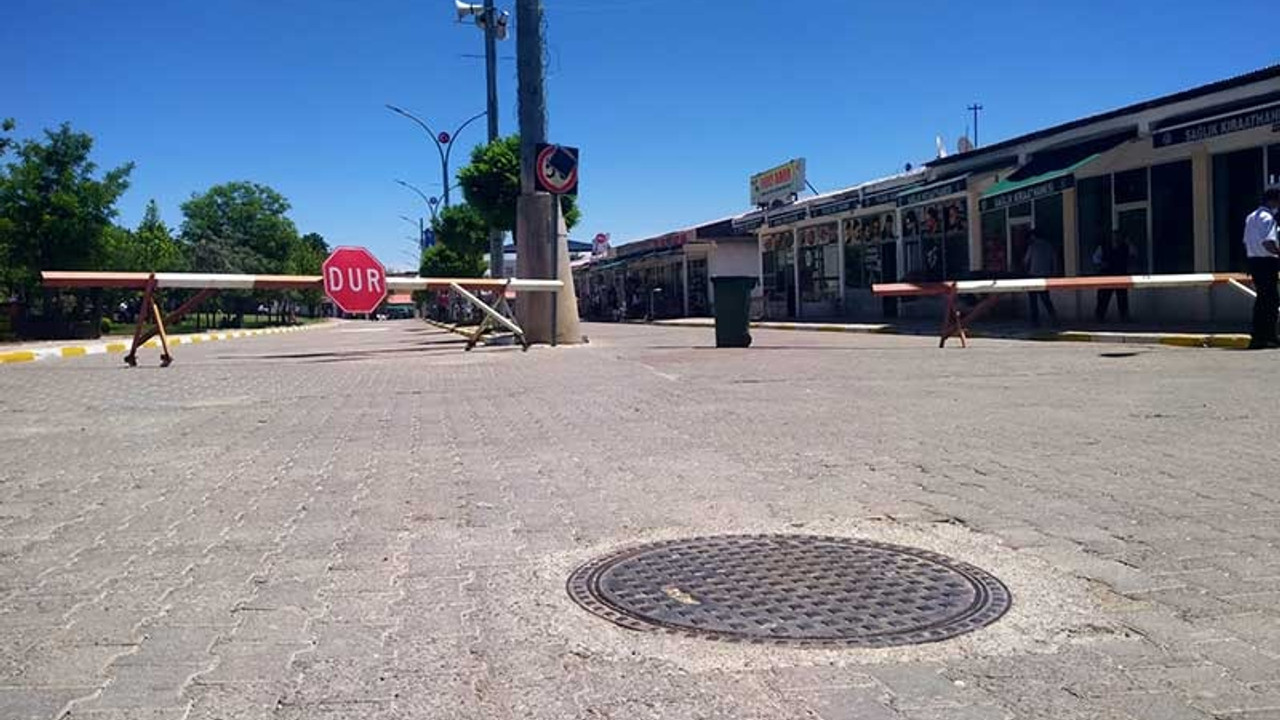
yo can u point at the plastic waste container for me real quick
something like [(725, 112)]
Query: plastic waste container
[(733, 310)]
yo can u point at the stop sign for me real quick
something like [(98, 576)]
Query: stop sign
[(354, 280)]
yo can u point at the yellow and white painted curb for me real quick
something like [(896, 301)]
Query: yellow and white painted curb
[(121, 347)]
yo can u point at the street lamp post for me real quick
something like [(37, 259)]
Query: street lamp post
[(422, 233), (431, 202), (444, 142)]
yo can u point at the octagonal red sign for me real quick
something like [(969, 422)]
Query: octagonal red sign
[(354, 280)]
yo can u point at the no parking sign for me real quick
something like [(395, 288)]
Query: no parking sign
[(557, 167)]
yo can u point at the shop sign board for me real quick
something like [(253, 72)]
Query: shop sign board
[(884, 197), (1027, 194), (934, 192), (778, 184), (788, 217), (834, 208), (1210, 129), (662, 242)]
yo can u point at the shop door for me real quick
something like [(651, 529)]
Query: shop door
[(1019, 239), (1132, 224)]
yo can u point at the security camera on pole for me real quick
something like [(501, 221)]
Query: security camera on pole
[(494, 24)]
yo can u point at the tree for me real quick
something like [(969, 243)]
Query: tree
[(443, 261), (149, 248), (306, 257), (491, 184), (238, 227), (54, 211), (7, 125), (461, 229)]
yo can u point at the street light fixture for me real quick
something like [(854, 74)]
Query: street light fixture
[(422, 232), (444, 142), (431, 202)]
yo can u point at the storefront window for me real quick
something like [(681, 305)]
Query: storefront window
[(699, 300), (870, 250), (819, 263), (1131, 186), (1238, 180), (935, 240), (995, 240), (1048, 224), (1093, 212), (779, 273), (1172, 222)]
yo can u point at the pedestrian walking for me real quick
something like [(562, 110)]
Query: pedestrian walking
[(1113, 258), (1262, 247), (1041, 261)]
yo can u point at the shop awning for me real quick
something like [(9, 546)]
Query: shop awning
[(1050, 171), (1015, 192)]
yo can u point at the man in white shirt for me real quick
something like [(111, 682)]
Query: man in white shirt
[(1263, 249)]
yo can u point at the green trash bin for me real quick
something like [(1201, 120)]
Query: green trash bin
[(733, 310)]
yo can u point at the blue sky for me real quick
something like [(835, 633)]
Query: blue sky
[(674, 103)]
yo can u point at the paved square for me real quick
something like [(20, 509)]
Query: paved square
[(365, 522)]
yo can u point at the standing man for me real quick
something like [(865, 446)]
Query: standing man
[(1264, 262), (1041, 262), (1113, 259)]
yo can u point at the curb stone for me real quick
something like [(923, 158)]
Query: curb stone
[(119, 348)]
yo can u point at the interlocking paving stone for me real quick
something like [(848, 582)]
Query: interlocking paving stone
[(364, 521)]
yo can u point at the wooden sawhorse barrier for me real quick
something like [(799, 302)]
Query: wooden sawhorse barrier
[(956, 321), (152, 322)]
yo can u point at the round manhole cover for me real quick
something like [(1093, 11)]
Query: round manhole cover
[(795, 589)]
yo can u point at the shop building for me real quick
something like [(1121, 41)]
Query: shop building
[(1175, 176), (820, 256), (666, 276)]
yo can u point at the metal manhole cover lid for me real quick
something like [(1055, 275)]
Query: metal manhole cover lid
[(793, 589)]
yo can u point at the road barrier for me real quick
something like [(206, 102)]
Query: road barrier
[(955, 322), (151, 322)]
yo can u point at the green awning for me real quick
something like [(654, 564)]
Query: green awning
[(1015, 192)]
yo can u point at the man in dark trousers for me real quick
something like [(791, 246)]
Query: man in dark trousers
[(1113, 259), (1041, 261), (1260, 244)]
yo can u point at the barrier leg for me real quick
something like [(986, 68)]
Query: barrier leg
[(147, 307), (491, 315), (952, 322), (165, 357), (142, 333)]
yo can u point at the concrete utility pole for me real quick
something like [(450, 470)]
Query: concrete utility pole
[(534, 209), (496, 256)]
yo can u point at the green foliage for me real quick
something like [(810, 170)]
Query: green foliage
[(149, 248), (306, 256), (238, 227), (104, 326), (54, 212), (461, 229), (442, 261), (7, 125), (491, 184)]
